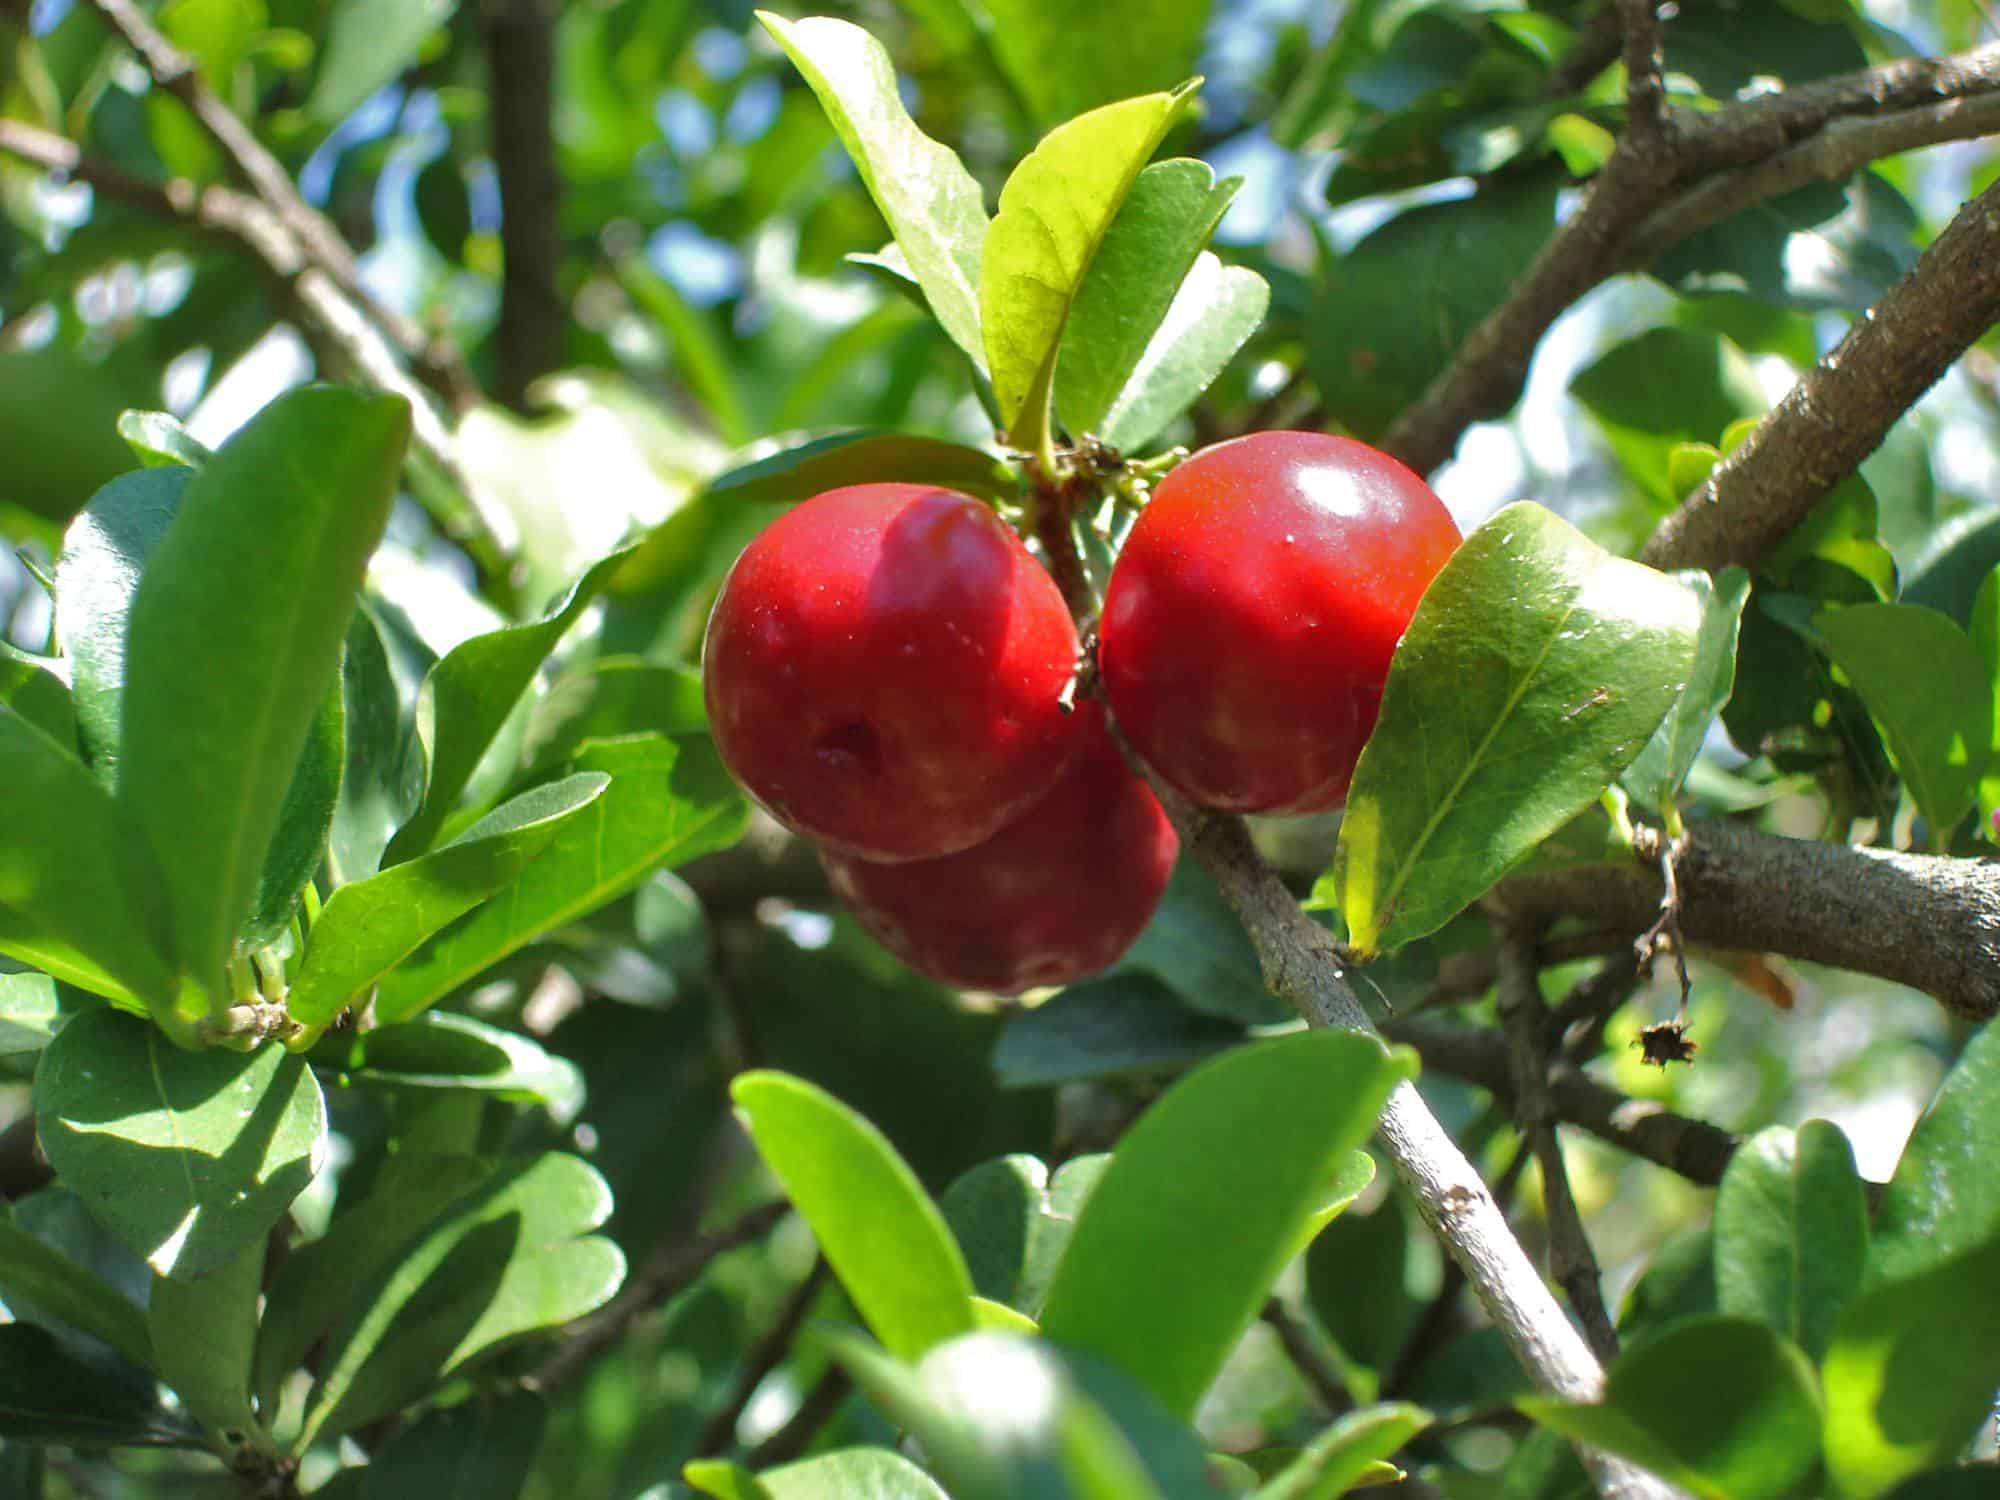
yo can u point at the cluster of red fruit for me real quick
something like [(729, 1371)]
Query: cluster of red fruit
[(885, 672)]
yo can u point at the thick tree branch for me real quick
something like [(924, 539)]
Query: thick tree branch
[(330, 315), (319, 242), (1844, 406), (1635, 210), (1926, 921), (520, 51)]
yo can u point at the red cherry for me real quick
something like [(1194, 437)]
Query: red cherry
[(1251, 616), (1056, 895), (883, 669)]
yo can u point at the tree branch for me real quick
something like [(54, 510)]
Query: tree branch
[(520, 51), (1635, 205), (1927, 921), (720, 1431), (319, 242), (1844, 406), (1645, 89)]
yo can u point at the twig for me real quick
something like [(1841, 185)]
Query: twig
[(672, 1267), (1597, 46), (720, 1431), (1303, 1350), (1926, 921), (1645, 90), (790, 1440), (520, 47), (1844, 406), (1525, 1019), (319, 242)]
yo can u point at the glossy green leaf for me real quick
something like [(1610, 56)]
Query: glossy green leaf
[(1535, 670), (1213, 315), (1114, 1027), (1335, 1461), (159, 440), (51, 1394), (1145, 256), (1667, 387), (298, 846), (483, 1449), (97, 574), (1927, 686), (31, 1012), (234, 636), (856, 1474), (863, 457), (877, 1227), (1358, 1283), (1722, 1407), (445, 1050), (186, 1156), (1013, 1219), (1138, 1247), (204, 1334), (319, 1281), (1655, 778), (1344, 1181), (380, 783), (1196, 947), (369, 927), (1791, 1232), (80, 895), (468, 696), (668, 801), (513, 1257), (1054, 212), (1942, 1203), (369, 43), (931, 203), (1066, 59), (1388, 315), (36, 688), (39, 1283), (1911, 1371), (610, 697)]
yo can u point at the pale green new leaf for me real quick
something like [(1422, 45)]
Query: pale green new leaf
[(1655, 778)]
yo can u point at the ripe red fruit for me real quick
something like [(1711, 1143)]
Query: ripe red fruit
[(1056, 895), (883, 669), (1252, 613)]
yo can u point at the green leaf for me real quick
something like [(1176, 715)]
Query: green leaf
[(1067, 59), (1791, 1232), (97, 574), (877, 1227), (1656, 777), (1145, 256), (863, 457), (379, 782), (35, 687), (1054, 212), (298, 847), (1358, 1283), (1213, 315), (40, 1283), (1535, 670), (1911, 1371), (1114, 1027), (1722, 1407), (609, 697), (484, 1449), (1349, 1180), (1927, 686), (31, 1012), (204, 1332), (1985, 632), (369, 43), (1667, 387), (320, 1280), (80, 894), (1343, 1454), (1388, 315), (186, 1156), (159, 440), (1140, 1245), (1942, 1203), (445, 1050), (668, 801), (233, 641), (369, 927), (857, 1474), (49, 1394), (516, 1256), (1195, 946), (931, 203), (468, 695)]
